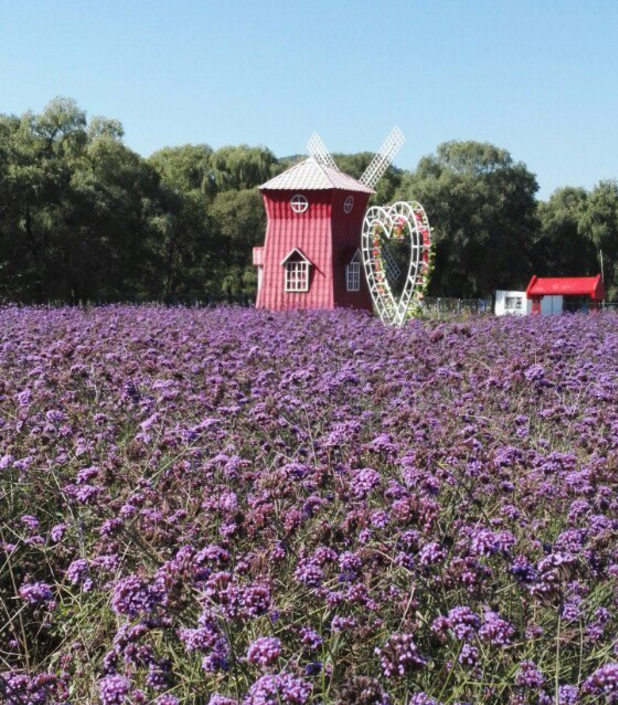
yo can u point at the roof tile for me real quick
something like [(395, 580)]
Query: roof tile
[(313, 176)]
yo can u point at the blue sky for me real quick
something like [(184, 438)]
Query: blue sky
[(537, 77)]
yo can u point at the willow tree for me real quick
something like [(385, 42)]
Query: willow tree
[(483, 212)]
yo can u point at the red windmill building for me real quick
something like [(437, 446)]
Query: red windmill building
[(311, 256)]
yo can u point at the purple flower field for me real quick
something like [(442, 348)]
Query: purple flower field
[(231, 507)]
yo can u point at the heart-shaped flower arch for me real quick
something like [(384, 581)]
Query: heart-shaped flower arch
[(397, 222)]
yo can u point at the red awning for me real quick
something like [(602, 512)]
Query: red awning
[(566, 286)]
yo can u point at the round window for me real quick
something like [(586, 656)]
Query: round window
[(348, 204), (299, 203)]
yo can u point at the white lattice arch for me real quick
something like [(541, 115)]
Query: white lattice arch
[(381, 224)]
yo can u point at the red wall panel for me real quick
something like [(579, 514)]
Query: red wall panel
[(346, 232), (323, 233), (310, 232)]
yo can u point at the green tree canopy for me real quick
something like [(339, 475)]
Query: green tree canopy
[(240, 223), (564, 246), (74, 200), (82, 217), (243, 167), (185, 169), (600, 222), (482, 209)]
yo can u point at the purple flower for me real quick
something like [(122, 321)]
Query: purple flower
[(24, 398), (134, 595), (603, 682), (113, 690), (264, 651), (486, 543), (324, 555), (431, 553), (313, 668), (423, 699), (309, 476), (349, 562), (399, 656), (523, 570), (568, 695), (570, 610), (6, 461), (30, 522), (20, 689), (78, 574), (364, 481), (57, 532), (310, 638), (309, 574), (529, 676), (469, 655), (218, 659), (217, 699), (341, 623), (167, 699), (158, 676), (496, 630), (535, 373), (201, 639), (55, 416), (35, 593), (255, 600), (279, 689), (212, 554), (463, 622)]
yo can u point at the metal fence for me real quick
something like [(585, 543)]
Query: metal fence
[(584, 306), (442, 307), (445, 307), (432, 307), (187, 300)]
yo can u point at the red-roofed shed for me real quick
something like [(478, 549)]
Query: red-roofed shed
[(565, 286)]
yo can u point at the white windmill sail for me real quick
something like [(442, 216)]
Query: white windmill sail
[(383, 159), (317, 149)]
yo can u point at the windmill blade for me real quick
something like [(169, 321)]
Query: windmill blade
[(383, 159), (317, 149)]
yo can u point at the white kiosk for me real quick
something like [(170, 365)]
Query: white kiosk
[(516, 303)]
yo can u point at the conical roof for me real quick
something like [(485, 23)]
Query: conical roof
[(311, 175)]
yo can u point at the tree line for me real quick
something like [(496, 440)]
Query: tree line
[(84, 218)]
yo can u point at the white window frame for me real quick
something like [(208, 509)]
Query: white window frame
[(296, 277), (296, 272), (512, 303), (299, 203), (352, 273)]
